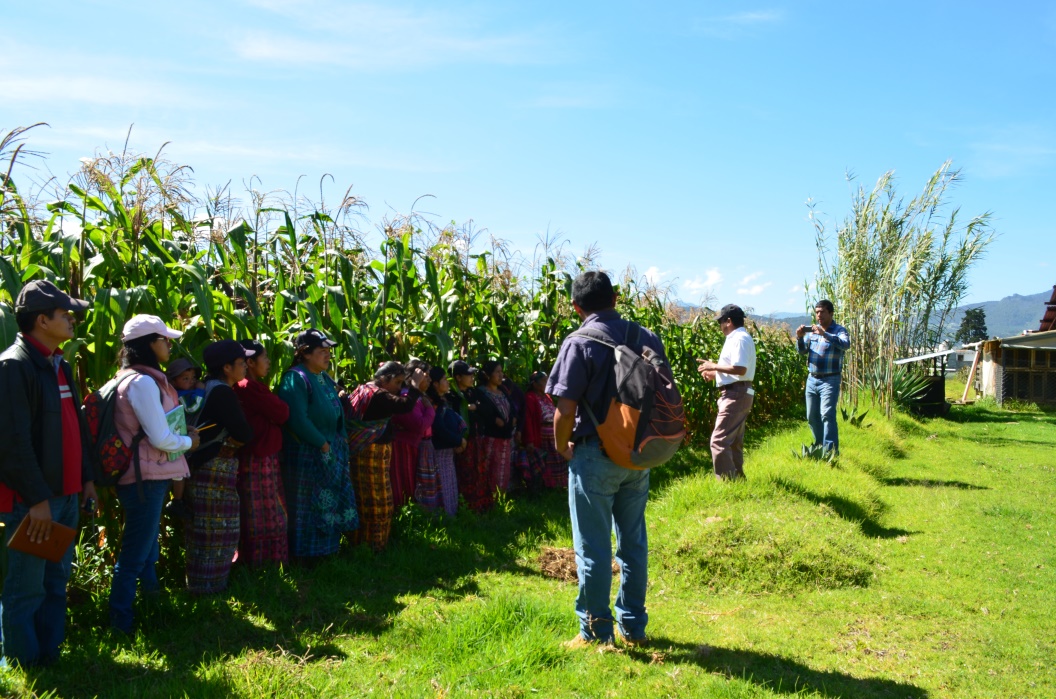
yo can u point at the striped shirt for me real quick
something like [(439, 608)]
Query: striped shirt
[(825, 350)]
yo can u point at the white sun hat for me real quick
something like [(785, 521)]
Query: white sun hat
[(142, 325)]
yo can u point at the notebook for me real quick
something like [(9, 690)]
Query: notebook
[(52, 550)]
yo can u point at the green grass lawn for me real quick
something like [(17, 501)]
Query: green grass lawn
[(921, 565)]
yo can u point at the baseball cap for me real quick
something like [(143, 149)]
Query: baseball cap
[(313, 338), (258, 349), (42, 295), (179, 366), (461, 368), (730, 311), (142, 325), (222, 352)]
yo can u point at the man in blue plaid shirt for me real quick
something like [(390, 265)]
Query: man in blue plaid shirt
[(824, 344)]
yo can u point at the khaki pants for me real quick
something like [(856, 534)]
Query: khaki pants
[(727, 440)]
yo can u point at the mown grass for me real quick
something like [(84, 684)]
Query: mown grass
[(919, 565)]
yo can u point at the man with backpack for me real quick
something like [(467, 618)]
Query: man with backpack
[(45, 470), (601, 493)]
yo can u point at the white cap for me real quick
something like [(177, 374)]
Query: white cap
[(142, 325)]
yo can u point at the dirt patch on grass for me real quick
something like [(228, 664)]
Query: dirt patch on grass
[(560, 564)]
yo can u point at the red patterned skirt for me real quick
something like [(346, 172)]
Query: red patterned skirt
[(263, 508), (495, 455), (474, 484)]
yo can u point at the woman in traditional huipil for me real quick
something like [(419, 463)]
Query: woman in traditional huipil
[(260, 491), (320, 500), (437, 483), (212, 535), (368, 411), (538, 431), (409, 429), (495, 426)]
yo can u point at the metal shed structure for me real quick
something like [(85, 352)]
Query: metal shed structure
[(1048, 321), (1022, 367)]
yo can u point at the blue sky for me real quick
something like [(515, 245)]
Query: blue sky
[(682, 138)]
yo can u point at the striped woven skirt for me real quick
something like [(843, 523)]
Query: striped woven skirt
[(212, 537), (445, 472), (474, 484), (495, 455), (402, 468), (555, 468), (319, 496), (370, 474), (263, 511), (427, 480)]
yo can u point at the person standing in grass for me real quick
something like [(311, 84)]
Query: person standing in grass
[(495, 427), (142, 402), (437, 482), (212, 537), (538, 431), (45, 469), (319, 493), (601, 494), (409, 431), (470, 470), (260, 492), (733, 374), (824, 343), (368, 411)]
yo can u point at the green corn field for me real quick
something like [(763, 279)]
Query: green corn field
[(127, 236)]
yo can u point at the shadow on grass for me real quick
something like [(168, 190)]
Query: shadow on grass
[(929, 483), (280, 619), (846, 509), (774, 673), (1005, 441), (972, 414)]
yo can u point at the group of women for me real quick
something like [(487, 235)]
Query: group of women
[(279, 476)]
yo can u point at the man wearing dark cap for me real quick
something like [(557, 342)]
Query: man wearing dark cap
[(733, 374), (601, 494), (45, 469)]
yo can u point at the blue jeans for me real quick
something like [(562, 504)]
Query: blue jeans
[(601, 494), (139, 548), (33, 603), (822, 396)]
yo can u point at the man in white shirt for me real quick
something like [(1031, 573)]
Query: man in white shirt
[(733, 374)]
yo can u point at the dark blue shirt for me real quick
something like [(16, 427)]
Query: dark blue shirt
[(584, 368)]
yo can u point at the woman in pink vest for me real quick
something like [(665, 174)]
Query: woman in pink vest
[(143, 399)]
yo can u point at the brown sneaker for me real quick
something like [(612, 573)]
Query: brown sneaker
[(631, 642)]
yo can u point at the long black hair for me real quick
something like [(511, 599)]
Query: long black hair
[(139, 352)]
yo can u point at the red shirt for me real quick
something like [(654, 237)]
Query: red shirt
[(71, 430), (266, 413)]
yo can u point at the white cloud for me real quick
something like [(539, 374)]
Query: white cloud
[(377, 37), (703, 284), (736, 25), (754, 290), (750, 278), (796, 289), (653, 275)]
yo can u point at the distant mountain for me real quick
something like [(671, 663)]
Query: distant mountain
[(1007, 317)]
